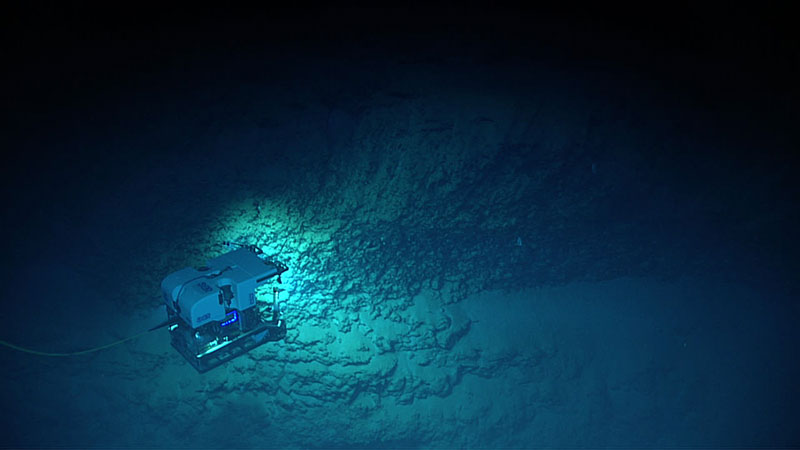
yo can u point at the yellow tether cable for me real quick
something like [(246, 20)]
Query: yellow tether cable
[(82, 352)]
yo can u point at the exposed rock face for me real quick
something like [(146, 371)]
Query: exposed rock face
[(488, 260), (408, 230)]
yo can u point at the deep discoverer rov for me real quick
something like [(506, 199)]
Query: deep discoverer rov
[(213, 312)]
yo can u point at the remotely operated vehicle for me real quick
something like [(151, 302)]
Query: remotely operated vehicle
[(213, 313)]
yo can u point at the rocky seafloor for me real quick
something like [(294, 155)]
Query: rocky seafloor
[(524, 256)]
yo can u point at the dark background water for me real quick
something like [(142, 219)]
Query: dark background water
[(404, 148)]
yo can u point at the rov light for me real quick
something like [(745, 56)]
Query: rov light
[(232, 319)]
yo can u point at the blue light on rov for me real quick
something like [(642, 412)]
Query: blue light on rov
[(232, 319)]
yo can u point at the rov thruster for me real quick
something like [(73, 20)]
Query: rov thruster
[(213, 313)]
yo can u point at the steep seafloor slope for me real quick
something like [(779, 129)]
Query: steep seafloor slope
[(483, 252)]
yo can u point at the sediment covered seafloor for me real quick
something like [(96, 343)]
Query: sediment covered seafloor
[(484, 251)]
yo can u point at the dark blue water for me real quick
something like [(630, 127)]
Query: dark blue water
[(503, 228)]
